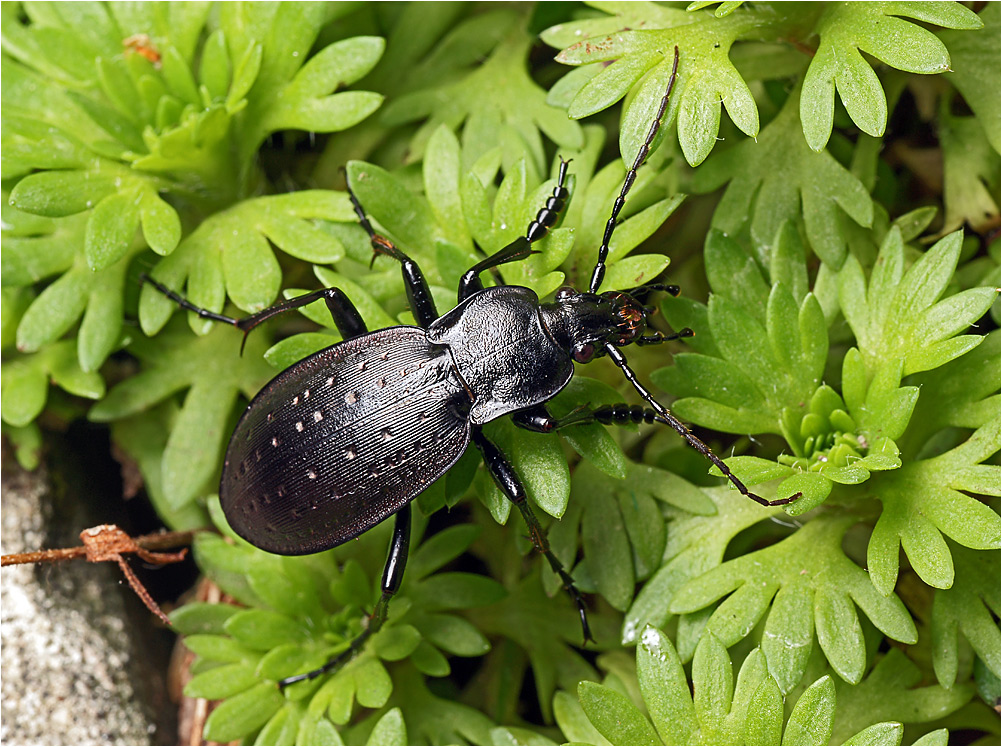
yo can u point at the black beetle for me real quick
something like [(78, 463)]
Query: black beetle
[(351, 435)]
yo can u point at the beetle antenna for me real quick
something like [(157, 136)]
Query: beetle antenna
[(665, 416), (603, 252)]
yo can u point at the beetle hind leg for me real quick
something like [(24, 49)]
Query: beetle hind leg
[(506, 478), (393, 576)]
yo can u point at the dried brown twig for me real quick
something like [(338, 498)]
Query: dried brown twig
[(108, 542)]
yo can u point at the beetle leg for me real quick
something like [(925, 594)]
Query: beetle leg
[(538, 419), (665, 416), (520, 248), (548, 215), (393, 576), (641, 292), (603, 252), (495, 272), (471, 283), (346, 317), (506, 478), (657, 337), (184, 303), (418, 293)]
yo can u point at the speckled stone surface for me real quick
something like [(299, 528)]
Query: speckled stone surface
[(68, 675)]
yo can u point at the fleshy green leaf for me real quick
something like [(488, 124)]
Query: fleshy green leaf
[(243, 713), (979, 83), (967, 608), (777, 178), (970, 174), (663, 684), (926, 499), (499, 103), (213, 382), (812, 716), (706, 80), (836, 583), (889, 693), (615, 717), (877, 29), (390, 729)]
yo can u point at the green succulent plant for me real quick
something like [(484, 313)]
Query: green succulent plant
[(835, 236), (746, 710)]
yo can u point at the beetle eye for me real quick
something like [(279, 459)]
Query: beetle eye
[(584, 352), (565, 292)]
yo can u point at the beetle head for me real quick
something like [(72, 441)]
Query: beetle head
[(585, 322), (630, 316)]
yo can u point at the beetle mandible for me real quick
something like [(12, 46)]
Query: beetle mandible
[(349, 436)]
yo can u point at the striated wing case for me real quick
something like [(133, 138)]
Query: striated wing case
[(343, 439)]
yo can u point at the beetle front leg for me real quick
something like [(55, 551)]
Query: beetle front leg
[(659, 337), (641, 292), (418, 293), (393, 576), (346, 317), (508, 481)]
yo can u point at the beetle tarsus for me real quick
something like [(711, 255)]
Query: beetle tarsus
[(185, 304), (334, 664), (357, 644), (572, 590), (777, 502)]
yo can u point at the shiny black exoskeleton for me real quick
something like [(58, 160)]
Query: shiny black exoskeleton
[(346, 438)]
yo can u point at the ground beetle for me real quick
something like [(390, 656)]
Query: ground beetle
[(351, 435)]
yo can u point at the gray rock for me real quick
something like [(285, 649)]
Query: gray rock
[(71, 674)]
